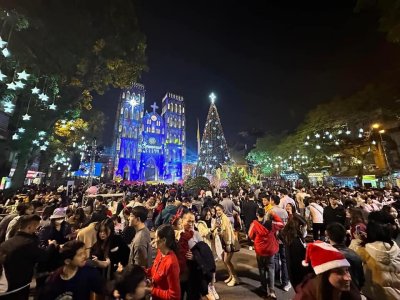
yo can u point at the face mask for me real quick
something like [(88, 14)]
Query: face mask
[(58, 222)]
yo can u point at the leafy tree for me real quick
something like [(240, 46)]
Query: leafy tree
[(196, 184), (237, 179), (72, 48)]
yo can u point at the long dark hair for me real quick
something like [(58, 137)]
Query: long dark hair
[(102, 247), (292, 229), (166, 231)]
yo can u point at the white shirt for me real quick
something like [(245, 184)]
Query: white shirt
[(317, 213)]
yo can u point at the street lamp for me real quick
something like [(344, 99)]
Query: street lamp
[(384, 152)]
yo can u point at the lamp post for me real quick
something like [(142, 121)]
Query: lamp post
[(384, 152)]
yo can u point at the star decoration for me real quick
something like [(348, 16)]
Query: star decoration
[(2, 76), (11, 86), (2, 43), (19, 84), (52, 106), (133, 102), (46, 143), (8, 104), (23, 75), (43, 148), (15, 136), (26, 117), (21, 130), (43, 97), (35, 90), (41, 133), (5, 52), (35, 142), (8, 110)]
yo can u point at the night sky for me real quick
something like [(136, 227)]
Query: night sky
[(267, 63)]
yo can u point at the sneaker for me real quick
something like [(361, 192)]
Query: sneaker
[(213, 291), (272, 295), (287, 287)]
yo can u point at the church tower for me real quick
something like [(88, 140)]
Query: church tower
[(129, 133), (173, 112)]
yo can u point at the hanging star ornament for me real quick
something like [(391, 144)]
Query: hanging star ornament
[(2, 43), (52, 106), (21, 130), (15, 136), (11, 86), (8, 110), (5, 52), (35, 91), (43, 148), (43, 97), (19, 84), (35, 142), (23, 75), (2, 76), (26, 117)]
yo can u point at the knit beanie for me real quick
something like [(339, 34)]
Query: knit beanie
[(324, 257)]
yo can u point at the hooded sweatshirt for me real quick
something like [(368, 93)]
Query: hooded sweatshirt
[(382, 270), (265, 242)]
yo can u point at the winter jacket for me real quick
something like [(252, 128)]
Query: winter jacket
[(166, 215), (337, 214), (88, 235), (49, 232), (249, 209), (19, 255), (381, 269), (265, 241)]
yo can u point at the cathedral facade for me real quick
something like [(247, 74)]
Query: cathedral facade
[(149, 146)]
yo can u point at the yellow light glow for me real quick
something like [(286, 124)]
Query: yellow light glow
[(382, 131), (376, 125)]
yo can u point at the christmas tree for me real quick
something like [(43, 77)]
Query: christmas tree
[(213, 148)]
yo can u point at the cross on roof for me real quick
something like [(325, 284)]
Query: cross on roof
[(212, 97), (154, 107)]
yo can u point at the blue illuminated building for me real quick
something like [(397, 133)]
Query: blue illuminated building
[(149, 147)]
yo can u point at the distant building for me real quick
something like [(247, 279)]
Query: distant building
[(147, 146)]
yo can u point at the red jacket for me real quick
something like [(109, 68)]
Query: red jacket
[(165, 276), (265, 242)]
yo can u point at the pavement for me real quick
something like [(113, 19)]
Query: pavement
[(246, 267)]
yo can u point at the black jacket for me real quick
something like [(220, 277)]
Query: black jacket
[(249, 210), (19, 256), (337, 214), (356, 267)]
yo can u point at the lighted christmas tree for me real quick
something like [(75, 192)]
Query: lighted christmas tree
[(213, 148)]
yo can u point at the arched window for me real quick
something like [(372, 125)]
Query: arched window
[(183, 110), (179, 108), (176, 107), (126, 113)]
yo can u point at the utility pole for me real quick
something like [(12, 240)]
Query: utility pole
[(92, 162)]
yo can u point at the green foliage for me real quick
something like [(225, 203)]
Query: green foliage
[(195, 185), (72, 49), (237, 179)]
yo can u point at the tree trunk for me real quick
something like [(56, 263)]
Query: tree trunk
[(18, 178)]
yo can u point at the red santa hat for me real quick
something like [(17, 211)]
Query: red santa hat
[(324, 257)]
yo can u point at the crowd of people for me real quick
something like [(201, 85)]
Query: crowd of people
[(162, 242)]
